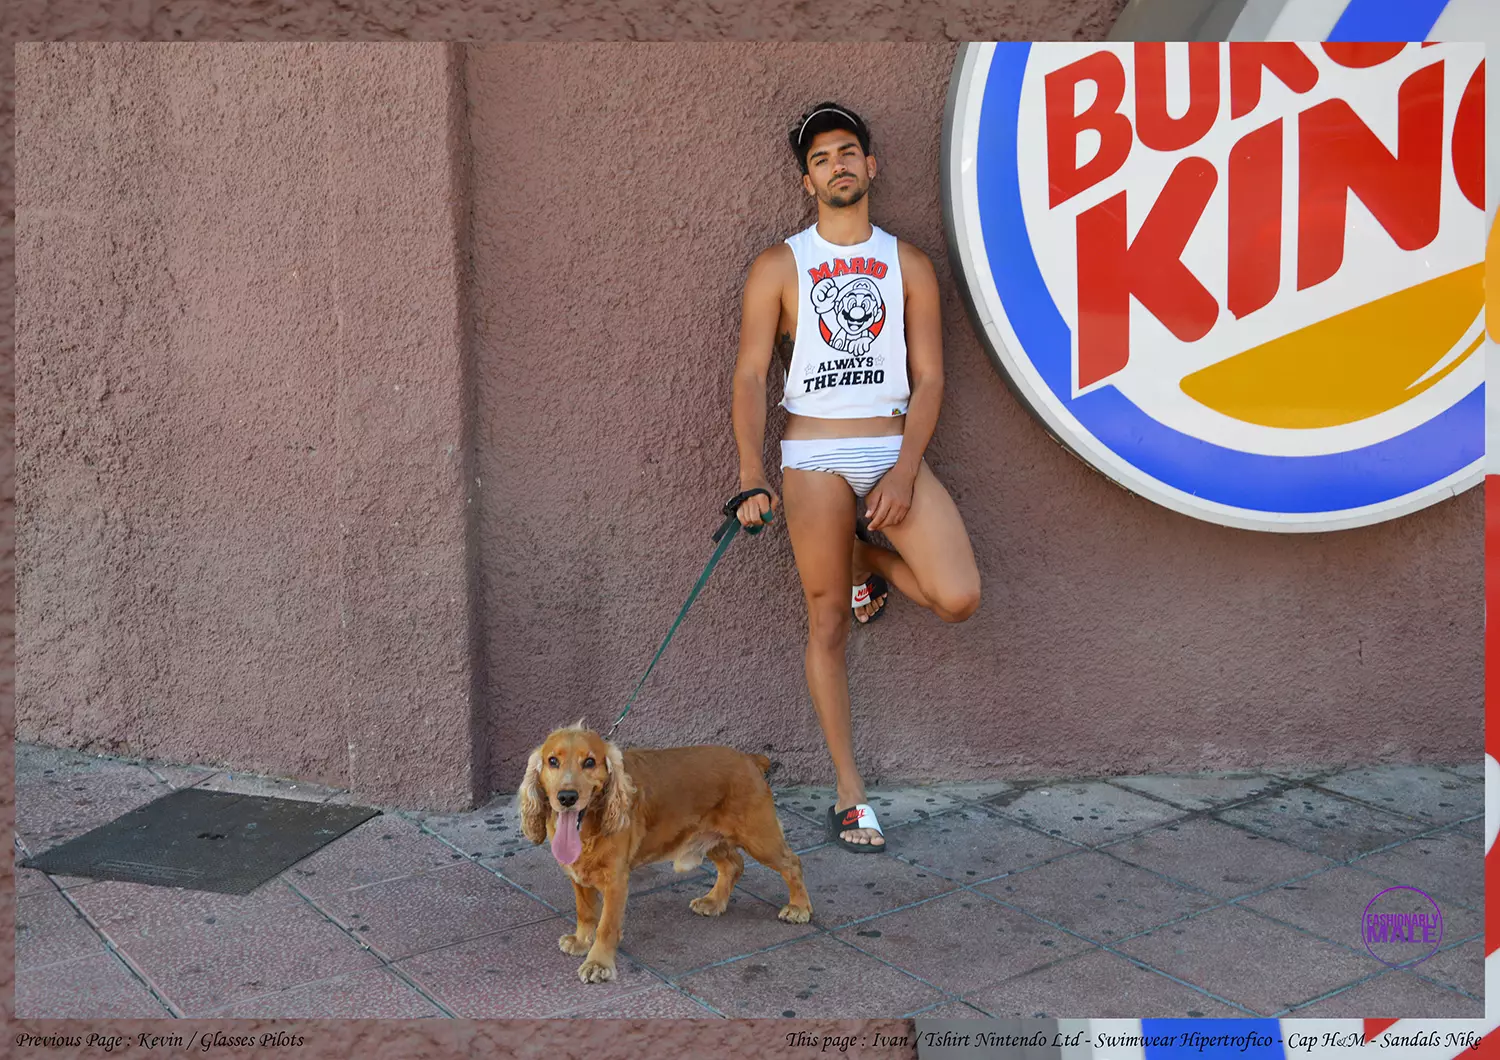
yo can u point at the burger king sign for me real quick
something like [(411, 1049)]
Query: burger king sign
[(1244, 280)]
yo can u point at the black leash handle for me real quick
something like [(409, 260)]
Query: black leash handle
[(732, 505)]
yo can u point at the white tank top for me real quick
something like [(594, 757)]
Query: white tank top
[(849, 353)]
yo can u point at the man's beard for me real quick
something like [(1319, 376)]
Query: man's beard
[(846, 198)]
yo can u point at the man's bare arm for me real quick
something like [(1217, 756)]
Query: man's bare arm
[(924, 355), (890, 500), (759, 314)]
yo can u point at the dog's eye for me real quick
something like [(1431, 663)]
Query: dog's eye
[(588, 763), (552, 761)]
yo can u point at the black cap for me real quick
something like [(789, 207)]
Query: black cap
[(820, 119)]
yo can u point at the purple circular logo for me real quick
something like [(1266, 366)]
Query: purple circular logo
[(1402, 926)]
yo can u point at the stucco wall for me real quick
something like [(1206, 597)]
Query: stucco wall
[(242, 503), (245, 508), (613, 233)]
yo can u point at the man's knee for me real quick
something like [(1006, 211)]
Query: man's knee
[(958, 605), (828, 622)]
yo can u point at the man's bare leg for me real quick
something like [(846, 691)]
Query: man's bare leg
[(866, 558), (945, 578), (934, 562), (819, 510)]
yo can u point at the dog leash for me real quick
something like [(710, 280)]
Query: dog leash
[(722, 537)]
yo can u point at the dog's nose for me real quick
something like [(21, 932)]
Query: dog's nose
[(567, 798)]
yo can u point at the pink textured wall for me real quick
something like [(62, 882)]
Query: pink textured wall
[(613, 232), (243, 528)]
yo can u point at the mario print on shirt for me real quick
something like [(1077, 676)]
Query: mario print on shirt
[(849, 317), (851, 312)]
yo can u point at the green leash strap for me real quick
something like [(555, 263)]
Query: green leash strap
[(724, 535)]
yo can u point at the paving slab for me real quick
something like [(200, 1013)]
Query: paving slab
[(1088, 813), (950, 1010), (1226, 862), (183, 776), (1425, 792), (1274, 968), (971, 791), (1461, 967), (1323, 824), (99, 987), (972, 844), (383, 848), (664, 934), (653, 1003), (1097, 985), (373, 994), (815, 978), (1331, 905), (1472, 770), (518, 973), (845, 886), (202, 950), (1201, 791), (55, 805), (961, 942), (1098, 896), (1449, 866), (460, 902), (49, 930), (1394, 995), (489, 831), (276, 787)]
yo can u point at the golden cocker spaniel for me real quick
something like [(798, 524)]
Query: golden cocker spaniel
[(607, 812)]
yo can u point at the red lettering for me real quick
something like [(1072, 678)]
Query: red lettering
[(1360, 55), (879, 271), (1255, 219), (1247, 60), (840, 267), (859, 265), (820, 273), (1340, 154), (1468, 140), (1150, 268), (1157, 129), (1065, 176)]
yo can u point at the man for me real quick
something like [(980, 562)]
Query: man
[(855, 315)]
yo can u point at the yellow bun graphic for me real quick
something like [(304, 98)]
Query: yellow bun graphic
[(1349, 367)]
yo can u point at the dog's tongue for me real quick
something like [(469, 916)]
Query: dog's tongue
[(566, 844)]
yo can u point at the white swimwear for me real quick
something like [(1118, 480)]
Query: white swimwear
[(861, 461)]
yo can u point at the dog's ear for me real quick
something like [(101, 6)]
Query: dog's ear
[(620, 792), (531, 800)]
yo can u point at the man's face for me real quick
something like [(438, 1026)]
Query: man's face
[(838, 172)]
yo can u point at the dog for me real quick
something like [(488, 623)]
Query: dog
[(607, 812)]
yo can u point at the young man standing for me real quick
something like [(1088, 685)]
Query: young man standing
[(856, 313)]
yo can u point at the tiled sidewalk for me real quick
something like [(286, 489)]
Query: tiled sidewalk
[(1213, 895)]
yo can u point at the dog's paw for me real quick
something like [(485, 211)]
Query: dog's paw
[(795, 914), (707, 905), (596, 971), (574, 946)]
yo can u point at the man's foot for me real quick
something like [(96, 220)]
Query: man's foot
[(855, 828), (870, 589), (868, 599)]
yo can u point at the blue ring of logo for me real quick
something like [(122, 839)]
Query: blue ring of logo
[(1329, 483)]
